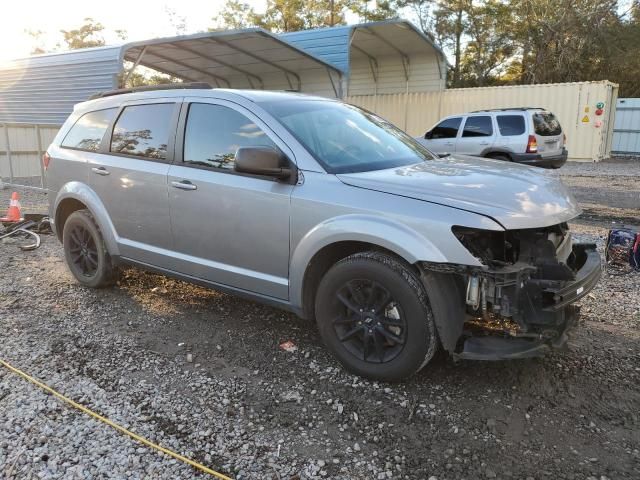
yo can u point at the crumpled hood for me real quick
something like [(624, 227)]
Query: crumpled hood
[(516, 196)]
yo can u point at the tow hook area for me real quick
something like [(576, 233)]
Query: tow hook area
[(505, 344)]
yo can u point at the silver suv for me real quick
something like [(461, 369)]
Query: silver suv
[(524, 135), (325, 210)]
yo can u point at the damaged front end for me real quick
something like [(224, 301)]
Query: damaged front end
[(519, 303)]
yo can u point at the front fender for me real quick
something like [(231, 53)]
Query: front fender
[(83, 193), (386, 233)]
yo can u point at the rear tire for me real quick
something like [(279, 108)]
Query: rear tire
[(374, 316), (504, 158), (85, 251)]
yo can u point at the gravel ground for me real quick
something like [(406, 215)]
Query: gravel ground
[(607, 191), (202, 373)]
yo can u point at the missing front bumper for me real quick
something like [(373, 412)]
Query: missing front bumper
[(511, 348), (540, 309)]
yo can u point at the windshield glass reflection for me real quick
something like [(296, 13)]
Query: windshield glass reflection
[(347, 139)]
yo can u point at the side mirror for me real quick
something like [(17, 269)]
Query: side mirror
[(428, 135), (262, 161)]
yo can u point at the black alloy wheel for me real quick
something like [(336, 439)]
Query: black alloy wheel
[(369, 322), (373, 314), (83, 250)]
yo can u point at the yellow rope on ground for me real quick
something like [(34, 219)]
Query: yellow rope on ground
[(99, 417)]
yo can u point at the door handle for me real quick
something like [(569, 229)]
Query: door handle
[(184, 185), (448, 143), (100, 171), (484, 143)]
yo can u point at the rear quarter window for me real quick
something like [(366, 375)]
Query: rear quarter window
[(88, 131), (510, 125), (546, 124)]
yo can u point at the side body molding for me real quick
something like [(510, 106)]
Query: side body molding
[(83, 193), (386, 233)]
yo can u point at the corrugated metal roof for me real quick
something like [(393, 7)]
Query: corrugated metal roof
[(233, 58), (330, 44), (44, 88), (388, 37)]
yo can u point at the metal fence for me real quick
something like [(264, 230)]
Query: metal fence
[(21, 148), (626, 131)]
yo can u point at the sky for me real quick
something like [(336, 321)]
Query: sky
[(142, 19)]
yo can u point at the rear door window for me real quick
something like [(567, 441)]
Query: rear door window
[(143, 130), (511, 125), (215, 132), (447, 128), (546, 124), (88, 131), (479, 126)]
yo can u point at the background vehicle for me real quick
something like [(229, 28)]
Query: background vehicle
[(325, 210), (525, 135)]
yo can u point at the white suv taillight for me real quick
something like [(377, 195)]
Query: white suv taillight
[(46, 158), (532, 144)]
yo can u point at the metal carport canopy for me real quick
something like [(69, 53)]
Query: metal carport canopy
[(248, 58), (393, 37)]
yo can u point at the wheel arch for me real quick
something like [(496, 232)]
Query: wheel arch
[(340, 237), (75, 196), (497, 151)]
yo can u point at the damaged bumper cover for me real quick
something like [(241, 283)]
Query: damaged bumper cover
[(521, 310)]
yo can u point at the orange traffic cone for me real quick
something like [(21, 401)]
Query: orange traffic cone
[(13, 214)]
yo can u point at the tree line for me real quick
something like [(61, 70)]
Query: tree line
[(487, 42)]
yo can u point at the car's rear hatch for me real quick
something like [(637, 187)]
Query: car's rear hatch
[(548, 133)]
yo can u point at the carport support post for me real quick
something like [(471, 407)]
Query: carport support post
[(135, 64), (8, 150), (39, 143)]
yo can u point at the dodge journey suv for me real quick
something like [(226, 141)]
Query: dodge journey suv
[(525, 135), (325, 210)]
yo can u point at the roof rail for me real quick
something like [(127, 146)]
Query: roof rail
[(506, 109), (148, 88)]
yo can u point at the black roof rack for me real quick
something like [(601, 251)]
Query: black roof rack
[(148, 88), (506, 109)]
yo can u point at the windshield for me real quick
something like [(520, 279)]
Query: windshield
[(347, 139)]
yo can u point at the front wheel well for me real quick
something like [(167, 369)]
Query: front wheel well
[(323, 260), (66, 208)]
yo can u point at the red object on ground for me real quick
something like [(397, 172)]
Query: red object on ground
[(288, 346), (13, 214)]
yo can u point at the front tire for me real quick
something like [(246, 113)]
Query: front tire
[(374, 315), (85, 251)]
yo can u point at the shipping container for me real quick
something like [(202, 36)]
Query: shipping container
[(588, 128)]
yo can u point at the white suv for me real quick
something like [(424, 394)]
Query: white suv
[(525, 135)]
